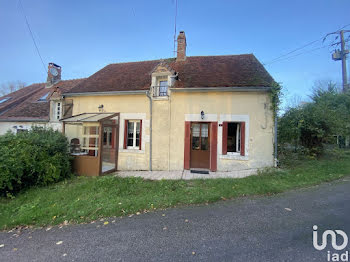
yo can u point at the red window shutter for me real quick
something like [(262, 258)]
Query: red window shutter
[(224, 138), (213, 145), (140, 142), (125, 134), (187, 145), (242, 138)]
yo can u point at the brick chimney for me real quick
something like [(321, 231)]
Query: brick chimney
[(181, 47), (53, 74)]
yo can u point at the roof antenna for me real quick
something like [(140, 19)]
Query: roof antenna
[(175, 28)]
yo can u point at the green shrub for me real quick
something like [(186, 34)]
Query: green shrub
[(34, 158)]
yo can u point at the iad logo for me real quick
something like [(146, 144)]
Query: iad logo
[(332, 256)]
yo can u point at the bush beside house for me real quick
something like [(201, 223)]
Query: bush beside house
[(34, 158)]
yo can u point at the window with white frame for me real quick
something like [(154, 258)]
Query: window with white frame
[(163, 88), (233, 137), (58, 111), (90, 140), (132, 136)]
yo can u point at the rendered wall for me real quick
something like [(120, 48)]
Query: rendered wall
[(253, 108), (130, 107), (169, 116)]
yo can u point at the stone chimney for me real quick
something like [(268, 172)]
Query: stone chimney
[(53, 74), (181, 47)]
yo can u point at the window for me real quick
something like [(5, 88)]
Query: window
[(58, 110), (132, 134), (163, 88), (107, 137), (90, 140), (233, 138), (200, 136), (4, 99), (44, 97)]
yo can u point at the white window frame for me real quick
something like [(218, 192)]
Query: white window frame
[(159, 86), (238, 138), (58, 110), (134, 135)]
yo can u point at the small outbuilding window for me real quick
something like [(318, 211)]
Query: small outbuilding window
[(233, 138), (132, 134)]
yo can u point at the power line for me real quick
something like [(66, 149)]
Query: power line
[(31, 34), (302, 53), (175, 27), (302, 47)]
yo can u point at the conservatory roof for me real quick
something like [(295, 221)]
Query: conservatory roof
[(90, 117)]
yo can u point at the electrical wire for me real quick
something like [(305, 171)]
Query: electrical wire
[(175, 28), (31, 34), (302, 47)]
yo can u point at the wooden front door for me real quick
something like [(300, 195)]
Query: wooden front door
[(200, 145)]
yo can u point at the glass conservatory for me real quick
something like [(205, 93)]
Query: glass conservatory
[(93, 141)]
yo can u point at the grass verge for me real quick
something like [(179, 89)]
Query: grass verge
[(83, 199)]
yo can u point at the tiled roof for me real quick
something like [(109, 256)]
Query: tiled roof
[(196, 71), (25, 102)]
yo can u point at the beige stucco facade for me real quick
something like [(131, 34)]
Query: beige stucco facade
[(168, 122)]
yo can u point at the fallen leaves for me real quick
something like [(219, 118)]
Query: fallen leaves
[(106, 223)]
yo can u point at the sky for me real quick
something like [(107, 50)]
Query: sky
[(84, 36)]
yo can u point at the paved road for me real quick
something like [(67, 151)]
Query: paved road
[(247, 229)]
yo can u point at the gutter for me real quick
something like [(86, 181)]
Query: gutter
[(24, 120), (133, 92), (222, 89), (150, 130), (275, 138)]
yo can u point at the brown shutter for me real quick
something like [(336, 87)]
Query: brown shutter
[(224, 138), (140, 134), (125, 134), (187, 145), (242, 138), (67, 108), (213, 145)]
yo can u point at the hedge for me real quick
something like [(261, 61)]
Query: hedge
[(34, 158)]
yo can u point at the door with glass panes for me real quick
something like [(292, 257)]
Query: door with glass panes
[(200, 145)]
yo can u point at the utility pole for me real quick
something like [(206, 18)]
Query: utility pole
[(341, 55)]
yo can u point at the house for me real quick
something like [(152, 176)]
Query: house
[(38, 104), (201, 112), (188, 112)]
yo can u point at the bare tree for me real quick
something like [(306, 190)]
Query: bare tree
[(10, 87)]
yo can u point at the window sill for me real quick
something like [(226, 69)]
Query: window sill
[(160, 98), (131, 150), (234, 156)]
